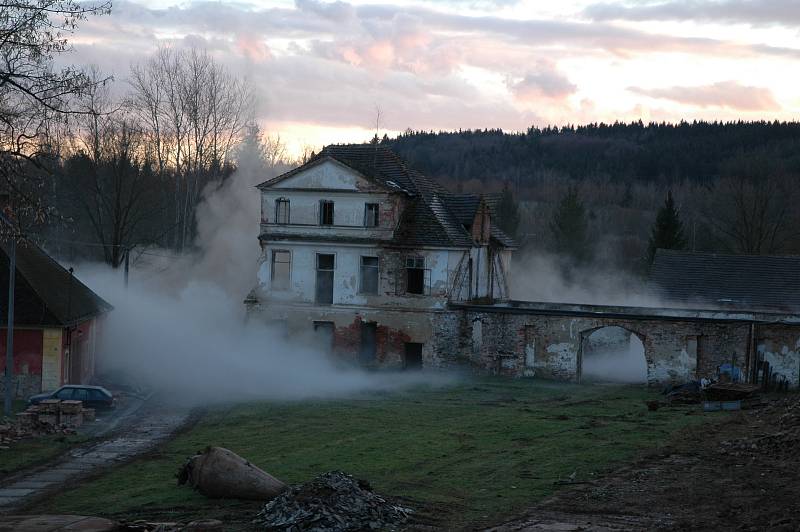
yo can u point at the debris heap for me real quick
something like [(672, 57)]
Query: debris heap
[(780, 437), (332, 501), (51, 416)]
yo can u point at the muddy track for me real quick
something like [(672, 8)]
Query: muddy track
[(736, 474)]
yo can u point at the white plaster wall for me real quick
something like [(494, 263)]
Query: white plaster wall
[(347, 273), (328, 175)]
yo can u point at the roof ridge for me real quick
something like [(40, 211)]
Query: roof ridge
[(687, 252)]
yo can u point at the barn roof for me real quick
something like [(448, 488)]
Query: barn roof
[(751, 282), (434, 216), (45, 292)]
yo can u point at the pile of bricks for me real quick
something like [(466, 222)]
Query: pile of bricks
[(56, 413)]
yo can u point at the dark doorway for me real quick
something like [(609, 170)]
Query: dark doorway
[(369, 346), (413, 359), (325, 266), (323, 336)]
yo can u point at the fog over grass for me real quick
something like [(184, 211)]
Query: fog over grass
[(181, 327)]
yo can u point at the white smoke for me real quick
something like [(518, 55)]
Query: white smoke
[(537, 276), (613, 354), (180, 325)]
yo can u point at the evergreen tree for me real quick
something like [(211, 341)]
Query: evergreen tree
[(667, 232), (508, 213), (570, 227)]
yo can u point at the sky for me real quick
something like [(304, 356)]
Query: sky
[(322, 70)]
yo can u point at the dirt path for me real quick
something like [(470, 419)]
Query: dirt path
[(148, 428), (738, 474)]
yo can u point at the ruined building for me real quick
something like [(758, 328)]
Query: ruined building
[(383, 266), (369, 253)]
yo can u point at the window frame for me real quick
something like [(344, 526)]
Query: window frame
[(272, 284), (377, 268), (322, 204), (417, 262), (376, 218), (317, 271), (288, 214)]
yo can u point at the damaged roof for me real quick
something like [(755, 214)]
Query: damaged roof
[(752, 282), (434, 216), (45, 292)]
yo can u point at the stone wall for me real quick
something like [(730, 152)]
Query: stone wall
[(510, 342), (780, 346), (25, 385)]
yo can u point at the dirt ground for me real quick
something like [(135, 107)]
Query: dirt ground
[(739, 473)]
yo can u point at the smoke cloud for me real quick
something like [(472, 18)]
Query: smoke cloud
[(546, 278), (180, 326)]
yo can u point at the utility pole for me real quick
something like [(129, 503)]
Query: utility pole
[(12, 269)]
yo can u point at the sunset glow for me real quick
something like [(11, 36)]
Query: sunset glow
[(322, 69)]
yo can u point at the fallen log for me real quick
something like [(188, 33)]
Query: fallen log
[(219, 473)]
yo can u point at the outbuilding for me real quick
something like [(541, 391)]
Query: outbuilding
[(57, 319)]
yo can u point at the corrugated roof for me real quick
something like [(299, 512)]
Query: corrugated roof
[(45, 294), (434, 216), (752, 282)]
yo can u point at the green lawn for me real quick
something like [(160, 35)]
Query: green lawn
[(34, 451), (467, 455)]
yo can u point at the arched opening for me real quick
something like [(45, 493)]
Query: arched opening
[(613, 354)]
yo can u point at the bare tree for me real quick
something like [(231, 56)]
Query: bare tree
[(753, 208), (113, 179), (34, 94), (195, 111)]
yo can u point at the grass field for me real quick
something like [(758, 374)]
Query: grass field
[(27, 453), (465, 456)]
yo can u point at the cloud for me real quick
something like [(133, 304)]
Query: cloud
[(725, 94), (544, 81), (761, 12), (427, 64)]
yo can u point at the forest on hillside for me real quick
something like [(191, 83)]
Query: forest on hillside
[(735, 183)]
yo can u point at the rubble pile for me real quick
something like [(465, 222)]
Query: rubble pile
[(780, 437), (332, 501), (51, 416), (16, 431)]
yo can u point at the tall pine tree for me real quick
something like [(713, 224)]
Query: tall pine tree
[(570, 227), (667, 232), (508, 213)]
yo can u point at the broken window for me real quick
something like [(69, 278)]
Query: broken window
[(413, 356), (325, 267), (281, 211), (371, 215), (281, 269), (325, 212), (415, 275), (369, 275), (369, 347), (323, 335)]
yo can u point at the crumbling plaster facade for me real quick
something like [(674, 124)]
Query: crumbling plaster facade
[(548, 340), (462, 318)]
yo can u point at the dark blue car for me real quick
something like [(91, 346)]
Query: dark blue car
[(92, 396)]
